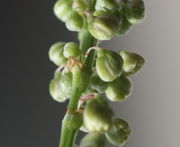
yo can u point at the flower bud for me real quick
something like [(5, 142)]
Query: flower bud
[(66, 84), (132, 62), (124, 26), (74, 22), (119, 133), (108, 65), (93, 139), (97, 116), (105, 5), (135, 11), (81, 6), (62, 9), (56, 53), (71, 49), (103, 27), (61, 86), (97, 84), (124, 23), (119, 89)]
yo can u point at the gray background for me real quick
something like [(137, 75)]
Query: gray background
[(30, 118)]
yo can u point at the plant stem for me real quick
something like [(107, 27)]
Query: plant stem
[(68, 136), (72, 121)]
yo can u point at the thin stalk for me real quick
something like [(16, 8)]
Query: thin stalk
[(71, 123)]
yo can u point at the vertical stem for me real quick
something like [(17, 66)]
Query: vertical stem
[(68, 136), (70, 126), (72, 121)]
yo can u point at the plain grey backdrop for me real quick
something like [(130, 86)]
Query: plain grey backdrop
[(28, 115)]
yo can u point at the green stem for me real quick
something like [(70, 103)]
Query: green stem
[(68, 136), (71, 123)]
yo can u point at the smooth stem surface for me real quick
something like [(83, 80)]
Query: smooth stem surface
[(68, 136), (71, 124)]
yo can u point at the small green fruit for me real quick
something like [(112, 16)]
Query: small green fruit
[(124, 23), (108, 65), (80, 6), (56, 53), (105, 5), (119, 89), (119, 133), (61, 86), (132, 62), (135, 11), (124, 26), (103, 27), (97, 84), (74, 22), (62, 9), (71, 49), (93, 139), (97, 116), (66, 84)]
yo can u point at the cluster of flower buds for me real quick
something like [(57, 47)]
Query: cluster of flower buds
[(99, 122), (104, 18), (60, 54), (109, 72), (110, 76)]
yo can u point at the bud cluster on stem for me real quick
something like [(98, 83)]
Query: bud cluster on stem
[(86, 71)]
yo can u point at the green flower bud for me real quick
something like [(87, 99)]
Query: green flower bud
[(103, 27), (119, 89), (97, 84), (93, 139), (124, 23), (124, 26), (103, 13), (71, 49), (119, 133), (74, 22), (105, 5), (97, 116), (61, 86), (108, 65), (132, 62), (62, 9), (135, 11), (56, 53), (81, 6), (66, 84)]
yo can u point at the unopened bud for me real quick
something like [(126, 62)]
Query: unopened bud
[(103, 27), (135, 11), (109, 65), (74, 22), (80, 6), (119, 89), (93, 139), (56, 53), (97, 116), (61, 86), (105, 5), (62, 9), (71, 49), (119, 133), (132, 62)]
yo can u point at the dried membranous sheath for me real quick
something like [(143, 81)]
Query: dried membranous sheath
[(87, 72)]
